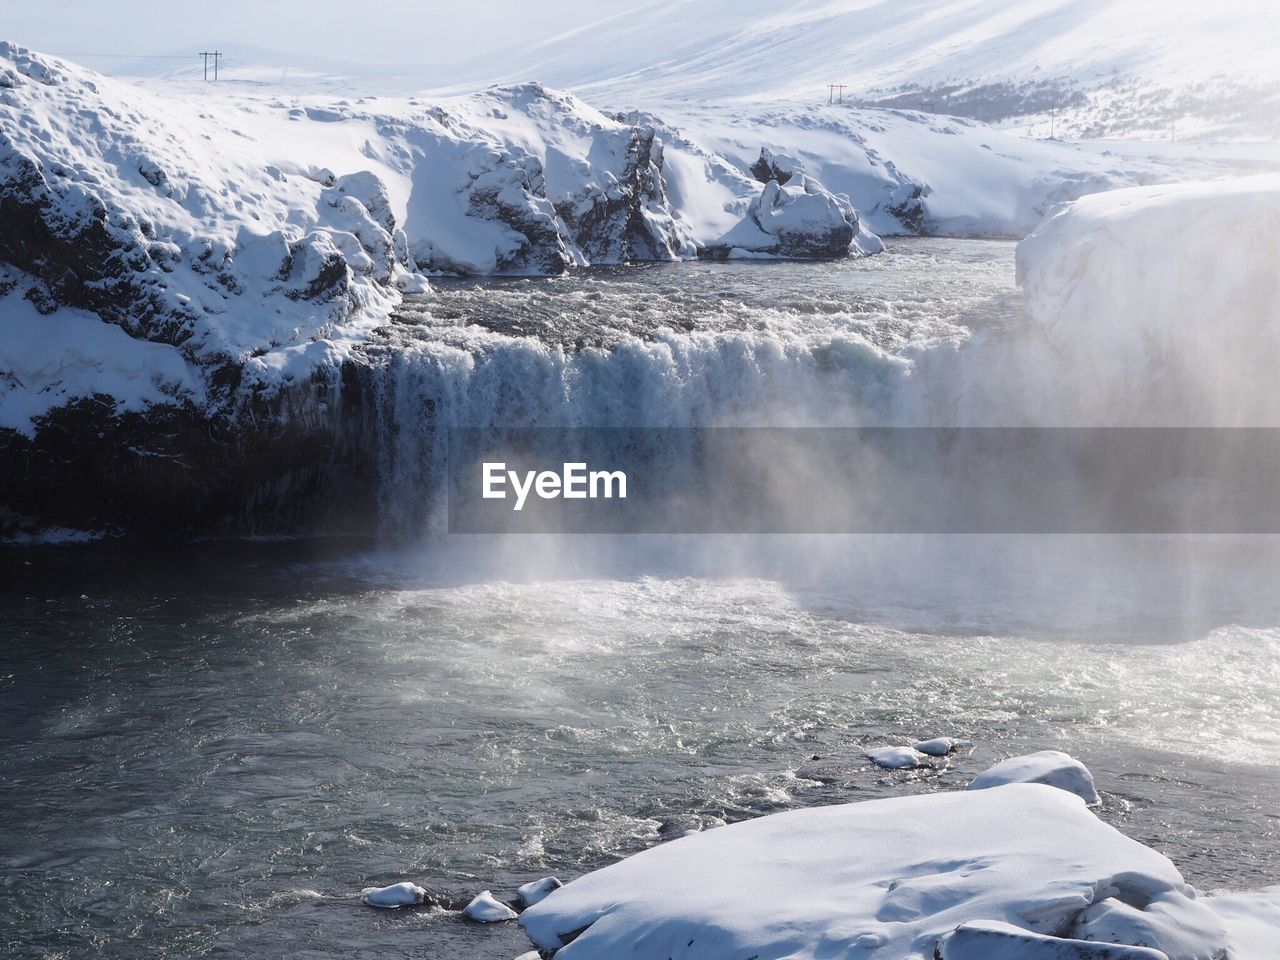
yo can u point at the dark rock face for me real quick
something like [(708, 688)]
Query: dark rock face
[(176, 472), (907, 204), (83, 254), (768, 167), (631, 220)]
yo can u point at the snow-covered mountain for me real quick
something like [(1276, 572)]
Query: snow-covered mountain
[(1089, 68)]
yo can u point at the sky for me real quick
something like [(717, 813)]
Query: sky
[(392, 32)]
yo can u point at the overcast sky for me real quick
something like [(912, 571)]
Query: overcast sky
[(400, 32)]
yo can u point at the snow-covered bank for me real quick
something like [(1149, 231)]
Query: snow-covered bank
[(1025, 868), (1167, 295), (258, 239)]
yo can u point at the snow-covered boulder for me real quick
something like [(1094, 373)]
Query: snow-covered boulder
[(537, 890), (403, 894), (897, 758), (802, 220), (486, 908), (937, 746), (883, 878), (1052, 767), (993, 940)]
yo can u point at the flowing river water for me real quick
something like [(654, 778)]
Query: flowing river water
[(209, 751)]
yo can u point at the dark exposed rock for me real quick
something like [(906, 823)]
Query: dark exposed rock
[(769, 166), (631, 220), (295, 464)]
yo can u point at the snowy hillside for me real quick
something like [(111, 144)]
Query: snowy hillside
[(1103, 69)]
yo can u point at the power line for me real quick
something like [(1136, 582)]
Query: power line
[(216, 57)]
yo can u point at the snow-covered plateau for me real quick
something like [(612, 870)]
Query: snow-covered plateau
[(192, 277), (1021, 871)]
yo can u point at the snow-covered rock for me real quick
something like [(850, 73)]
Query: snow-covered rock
[(1051, 767), (802, 220), (993, 940), (880, 878), (485, 908), (537, 890), (897, 758), (403, 894), (938, 746)]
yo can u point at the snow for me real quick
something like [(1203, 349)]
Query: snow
[(1052, 767), (992, 940), (882, 878), (1115, 68), (403, 894), (938, 746), (71, 354), (486, 909), (1252, 920), (537, 890), (897, 758), (1173, 286)]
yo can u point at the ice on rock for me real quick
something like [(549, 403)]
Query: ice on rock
[(992, 940), (938, 746), (1051, 767), (397, 895), (485, 908), (538, 890), (897, 758), (891, 875)]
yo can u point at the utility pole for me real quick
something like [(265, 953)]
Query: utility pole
[(216, 56), (1053, 119), (835, 90)]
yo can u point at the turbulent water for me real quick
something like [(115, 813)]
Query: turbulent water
[(679, 345), (209, 753)]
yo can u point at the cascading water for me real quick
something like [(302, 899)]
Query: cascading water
[(678, 346)]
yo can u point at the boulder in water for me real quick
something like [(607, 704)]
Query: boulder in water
[(897, 758), (938, 746), (1051, 767), (485, 908), (802, 221), (888, 877), (404, 894), (538, 890)]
